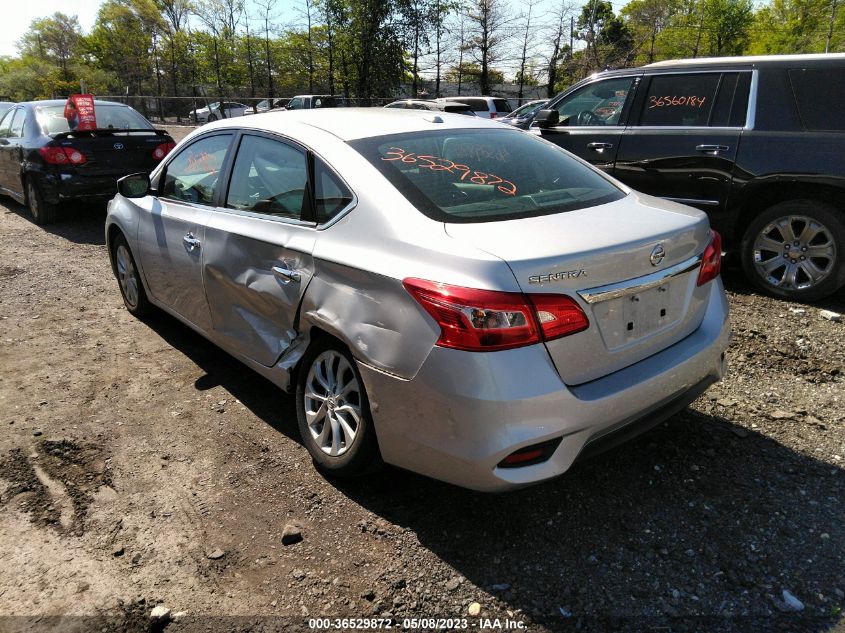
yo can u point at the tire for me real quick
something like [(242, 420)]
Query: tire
[(126, 272), (212, 117), (796, 250), (323, 385), (42, 212)]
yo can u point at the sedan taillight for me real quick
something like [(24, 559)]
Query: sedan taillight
[(489, 320), (61, 155), (711, 260), (162, 150)]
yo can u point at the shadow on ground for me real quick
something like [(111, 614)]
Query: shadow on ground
[(698, 525), (78, 222)]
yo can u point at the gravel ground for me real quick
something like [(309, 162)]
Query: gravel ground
[(142, 467)]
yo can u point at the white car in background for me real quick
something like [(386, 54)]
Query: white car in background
[(213, 111)]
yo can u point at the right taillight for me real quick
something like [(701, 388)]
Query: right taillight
[(711, 260), (489, 320)]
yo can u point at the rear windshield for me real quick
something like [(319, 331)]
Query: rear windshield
[(502, 105), (484, 175), (52, 118)]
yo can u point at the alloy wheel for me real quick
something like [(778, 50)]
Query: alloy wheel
[(126, 276), (32, 198), (332, 398), (794, 252)]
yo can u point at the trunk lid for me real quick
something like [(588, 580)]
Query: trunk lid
[(636, 308), (114, 152)]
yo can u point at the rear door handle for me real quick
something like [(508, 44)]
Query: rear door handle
[(712, 148), (191, 242), (600, 147), (287, 275)]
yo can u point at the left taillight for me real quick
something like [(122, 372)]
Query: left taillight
[(489, 320), (162, 150), (62, 155), (711, 260)]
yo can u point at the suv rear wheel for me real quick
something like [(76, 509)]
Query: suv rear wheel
[(796, 250)]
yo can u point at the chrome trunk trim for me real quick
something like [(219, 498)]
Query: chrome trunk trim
[(639, 284)]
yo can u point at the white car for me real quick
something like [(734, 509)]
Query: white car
[(213, 112), (485, 107)]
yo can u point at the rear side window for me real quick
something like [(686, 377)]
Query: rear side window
[(6, 124), (269, 177), (17, 124), (193, 175), (331, 195), (820, 94), (683, 100), (470, 175), (502, 105)]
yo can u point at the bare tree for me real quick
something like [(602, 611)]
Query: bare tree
[(526, 43), (267, 7), (562, 18), (488, 21)]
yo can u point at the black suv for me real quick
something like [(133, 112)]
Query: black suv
[(756, 142)]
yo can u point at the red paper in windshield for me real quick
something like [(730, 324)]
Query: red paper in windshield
[(79, 112)]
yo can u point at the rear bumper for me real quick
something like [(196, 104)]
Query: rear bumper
[(64, 187), (465, 412)]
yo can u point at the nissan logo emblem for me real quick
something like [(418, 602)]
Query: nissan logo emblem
[(657, 255), (118, 145)]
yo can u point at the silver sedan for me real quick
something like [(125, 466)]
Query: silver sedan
[(441, 293)]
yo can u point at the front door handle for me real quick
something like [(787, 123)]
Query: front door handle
[(600, 147), (286, 275), (712, 149), (191, 242)]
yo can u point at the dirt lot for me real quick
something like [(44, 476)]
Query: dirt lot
[(140, 466)]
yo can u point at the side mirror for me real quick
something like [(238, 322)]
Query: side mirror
[(547, 118), (134, 185)]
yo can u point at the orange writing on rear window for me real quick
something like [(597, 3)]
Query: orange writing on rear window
[(438, 163)]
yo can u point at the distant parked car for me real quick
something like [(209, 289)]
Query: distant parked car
[(307, 102), (486, 107), (213, 111), (524, 114), (269, 104), (43, 163), (423, 104), (5, 106)]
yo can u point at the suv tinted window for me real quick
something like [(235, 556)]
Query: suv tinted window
[(485, 175), (820, 94), (598, 103), (502, 105), (269, 177), (192, 176), (683, 100)]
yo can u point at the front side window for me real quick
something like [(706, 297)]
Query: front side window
[(295, 104), (485, 175), (193, 175), (598, 103), (683, 100), (17, 124), (269, 177)]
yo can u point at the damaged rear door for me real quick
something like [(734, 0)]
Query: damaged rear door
[(257, 258)]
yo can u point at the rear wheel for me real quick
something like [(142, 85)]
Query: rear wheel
[(796, 250), (131, 288), (212, 117), (333, 411), (41, 211)]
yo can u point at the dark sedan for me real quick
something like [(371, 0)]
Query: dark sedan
[(44, 163)]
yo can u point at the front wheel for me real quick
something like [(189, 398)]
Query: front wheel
[(212, 117), (796, 250), (334, 413), (126, 271)]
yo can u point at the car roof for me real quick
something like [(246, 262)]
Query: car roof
[(356, 123), (747, 60)]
